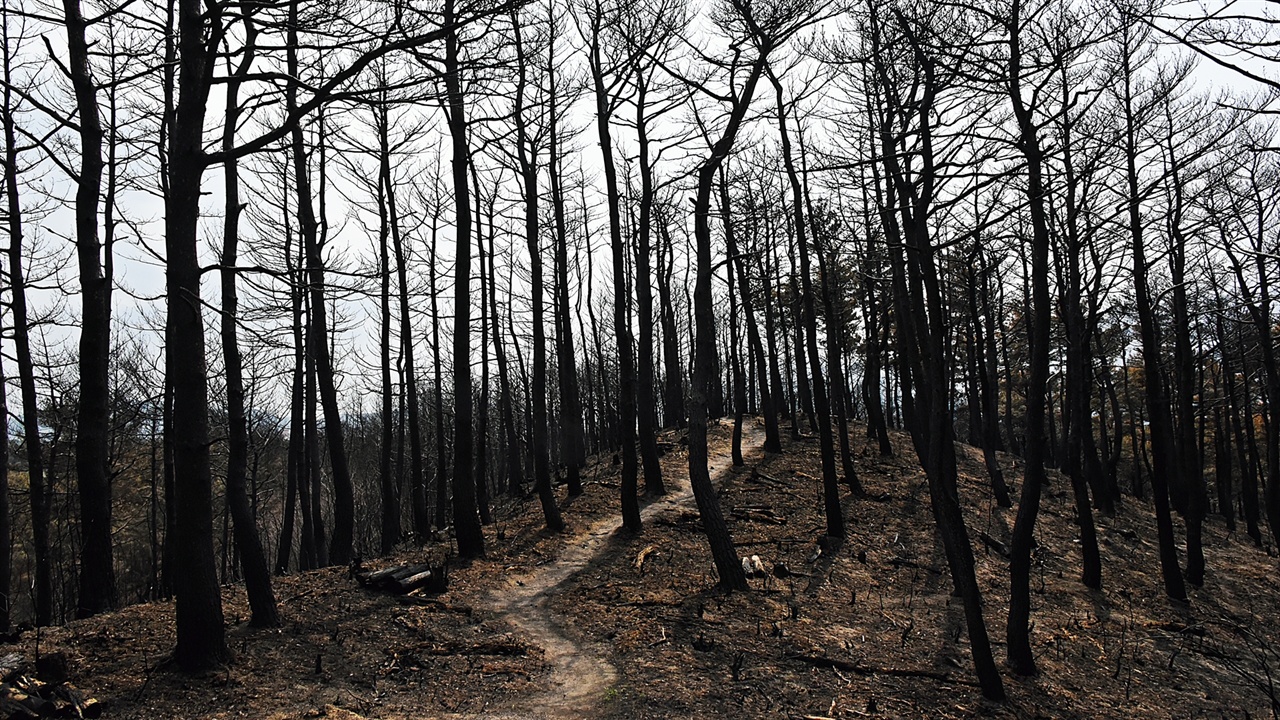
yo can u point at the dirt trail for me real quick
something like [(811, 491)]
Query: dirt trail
[(581, 673)]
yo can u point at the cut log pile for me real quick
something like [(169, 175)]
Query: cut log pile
[(405, 578), (24, 695)]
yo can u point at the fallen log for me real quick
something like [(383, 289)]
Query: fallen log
[(23, 696), (71, 701), (13, 709), (406, 578), (378, 577), (10, 665), (432, 579), (405, 571), (993, 544)]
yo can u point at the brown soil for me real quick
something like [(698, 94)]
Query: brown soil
[(596, 623)]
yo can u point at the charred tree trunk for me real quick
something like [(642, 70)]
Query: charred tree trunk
[(465, 519), (42, 580), (515, 471), (646, 403), (97, 590), (1035, 451), (722, 550), (673, 375), (341, 542), (772, 435), (1162, 438), (487, 320), (808, 319), (986, 416), (201, 634), (621, 294), (1082, 464), (387, 474), (314, 476), (735, 368), (252, 556), (572, 443), (1189, 468), (877, 426), (409, 396), (526, 156), (838, 397), (442, 457), (922, 328), (1242, 420)]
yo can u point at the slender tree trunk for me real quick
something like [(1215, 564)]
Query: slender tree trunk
[(487, 320), (341, 543), (1020, 658), (1162, 439), (923, 360), (252, 556), (97, 574), (313, 478), (1251, 506), (154, 502), (526, 155), (1189, 468), (42, 580), (621, 295), (515, 473), (293, 471), (1222, 467), (646, 404), (776, 359), (573, 446), (442, 493), (1082, 464), (6, 522), (830, 482), (986, 415), (299, 462), (1245, 449), (804, 392), (989, 369), (723, 553), (201, 634), (877, 427), (772, 435), (838, 398), (466, 521), (1111, 448), (722, 550), (673, 375), (413, 409), (389, 514), (735, 358), (389, 485)]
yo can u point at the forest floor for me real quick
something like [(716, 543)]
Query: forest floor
[(593, 622)]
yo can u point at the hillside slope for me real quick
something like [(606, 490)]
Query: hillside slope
[(867, 629), (871, 629)]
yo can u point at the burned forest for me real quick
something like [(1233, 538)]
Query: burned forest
[(595, 359)]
